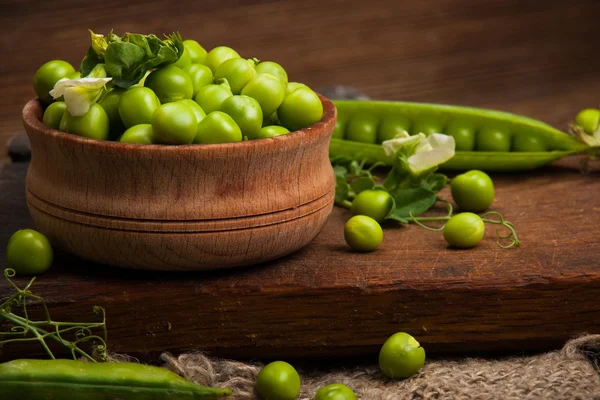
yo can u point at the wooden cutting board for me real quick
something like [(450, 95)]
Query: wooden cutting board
[(328, 301)]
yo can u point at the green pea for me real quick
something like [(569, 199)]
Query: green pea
[(376, 204), (218, 127), (211, 97), (588, 120), (336, 391), (270, 131), (528, 143), (392, 126), (29, 252), (473, 191), (200, 75), (427, 126), (463, 132), (53, 114), (94, 124), (174, 123), (493, 138), (246, 113), (278, 381), (401, 356), (196, 51), (138, 134), (362, 128), (464, 230), (363, 233)]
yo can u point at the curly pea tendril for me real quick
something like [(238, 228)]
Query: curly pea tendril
[(511, 235), (69, 334)]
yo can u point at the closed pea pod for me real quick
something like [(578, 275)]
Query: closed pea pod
[(69, 379), (518, 146)]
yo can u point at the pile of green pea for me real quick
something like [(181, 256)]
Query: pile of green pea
[(203, 98), (367, 127), (472, 191)]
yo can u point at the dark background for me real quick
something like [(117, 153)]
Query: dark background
[(535, 58)]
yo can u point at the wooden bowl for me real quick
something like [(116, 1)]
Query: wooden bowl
[(191, 207)]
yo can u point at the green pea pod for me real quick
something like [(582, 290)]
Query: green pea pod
[(533, 143), (69, 379)]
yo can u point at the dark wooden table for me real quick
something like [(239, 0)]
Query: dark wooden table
[(328, 301)]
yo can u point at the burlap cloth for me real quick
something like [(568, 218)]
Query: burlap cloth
[(571, 373)]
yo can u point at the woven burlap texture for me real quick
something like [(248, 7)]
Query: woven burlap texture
[(571, 373)]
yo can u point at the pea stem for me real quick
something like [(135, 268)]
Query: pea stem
[(22, 325)]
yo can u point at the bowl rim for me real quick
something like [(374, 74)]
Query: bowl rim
[(33, 111)]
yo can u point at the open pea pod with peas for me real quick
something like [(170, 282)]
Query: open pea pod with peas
[(485, 139)]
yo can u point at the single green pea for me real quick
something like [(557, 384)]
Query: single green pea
[(218, 56), (300, 109), (528, 143), (218, 127), (211, 97), (472, 191), (196, 51), (174, 123), (376, 204), (363, 233), (588, 120), (427, 126), (138, 134), (29, 252), (362, 128), (278, 381), (270, 131), (170, 83), (53, 114), (401, 356), (200, 75), (391, 126), (336, 391), (237, 71), (137, 105), (463, 132), (464, 230), (94, 124), (271, 67), (47, 75), (493, 138), (267, 90)]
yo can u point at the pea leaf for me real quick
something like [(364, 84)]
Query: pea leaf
[(128, 58), (435, 182), (362, 183), (414, 200)]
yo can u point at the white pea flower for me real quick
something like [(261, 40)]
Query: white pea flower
[(79, 94), (429, 152)]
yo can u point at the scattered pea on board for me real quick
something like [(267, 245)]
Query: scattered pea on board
[(485, 139), (69, 379)]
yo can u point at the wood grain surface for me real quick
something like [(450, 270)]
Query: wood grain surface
[(520, 56), (328, 301)]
